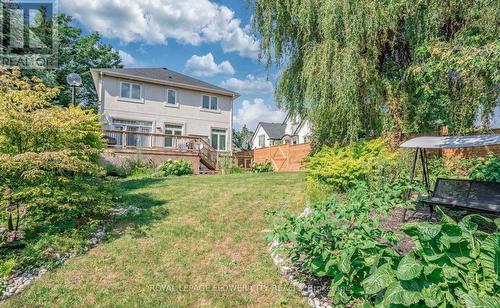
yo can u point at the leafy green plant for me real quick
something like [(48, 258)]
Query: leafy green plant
[(50, 182), (225, 163), (341, 239), (342, 167), (139, 168), (7, 268), (262, 167), (487, 171), (236, 170), (454, 264), (116, 171), (175, 167)]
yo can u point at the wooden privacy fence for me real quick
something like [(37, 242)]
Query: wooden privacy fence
[(284, 157)]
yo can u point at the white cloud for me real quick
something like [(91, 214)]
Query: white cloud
[(205, 66), (156, 21), (250, 85), (127, 59), (252, 112)]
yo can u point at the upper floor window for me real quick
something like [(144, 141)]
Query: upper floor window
[(262, 141), (171, 97), (210, 102), (131, 90)]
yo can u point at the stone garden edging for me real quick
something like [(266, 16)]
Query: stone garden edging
[(21, 279)]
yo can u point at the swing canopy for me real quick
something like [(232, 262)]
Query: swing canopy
[(452, 142), (477, 196)]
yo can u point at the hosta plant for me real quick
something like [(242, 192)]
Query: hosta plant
[(340, 239), (262, 167), (175, 167), (454, 264)]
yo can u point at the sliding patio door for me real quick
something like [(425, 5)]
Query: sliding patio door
[(170, 132), (139, 132)]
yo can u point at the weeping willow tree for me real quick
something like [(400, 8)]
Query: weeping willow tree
[(358, 68)]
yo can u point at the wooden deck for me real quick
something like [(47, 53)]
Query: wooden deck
[(127, 142)]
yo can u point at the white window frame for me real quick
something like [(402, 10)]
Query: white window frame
[(176, 104), (129, 98), (263, 144), (183, 128), (209, 109), (218, 138), (143, 141)]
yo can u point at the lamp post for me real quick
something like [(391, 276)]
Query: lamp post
[(74, 80)]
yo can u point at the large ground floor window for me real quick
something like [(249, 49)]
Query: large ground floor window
[(133, 126), (172, 130), (219, 139)]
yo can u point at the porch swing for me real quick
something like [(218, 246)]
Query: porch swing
[(469, 195)]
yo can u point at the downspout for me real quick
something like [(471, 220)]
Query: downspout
[(231, 128), (101, 89)]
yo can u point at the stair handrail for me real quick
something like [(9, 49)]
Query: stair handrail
[(212, 155)]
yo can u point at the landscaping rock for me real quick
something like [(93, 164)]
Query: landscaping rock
[(314, 288), (20, 280), (122, 211)]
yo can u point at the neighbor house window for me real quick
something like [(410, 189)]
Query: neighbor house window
[(307, 139), (131, 90), (171, 131), (171, 97), (219, 139), (210, 102), (262, 141)]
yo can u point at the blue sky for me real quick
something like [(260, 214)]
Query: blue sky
[(206, 39)]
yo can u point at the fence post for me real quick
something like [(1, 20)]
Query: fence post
[(124, 139)]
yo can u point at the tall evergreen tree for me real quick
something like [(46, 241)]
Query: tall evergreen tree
[(243, 139), (77, 53)]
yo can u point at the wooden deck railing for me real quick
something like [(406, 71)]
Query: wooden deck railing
[(162, 142)]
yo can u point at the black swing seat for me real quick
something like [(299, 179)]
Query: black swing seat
[(477, 196)]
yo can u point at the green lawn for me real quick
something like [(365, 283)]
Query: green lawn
[(198, 242)]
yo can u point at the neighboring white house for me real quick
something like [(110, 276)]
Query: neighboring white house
[(293, 130), (161, 101)]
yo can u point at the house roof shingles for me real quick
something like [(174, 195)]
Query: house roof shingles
[(164, 75), (274, 130)]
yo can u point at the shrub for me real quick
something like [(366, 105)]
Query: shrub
[(50, 181), (50, 188), (341, 167), (262, 167), (116, 171), (225, 163), (139, 168), (135, 168), (487, 171), (175, 167)]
